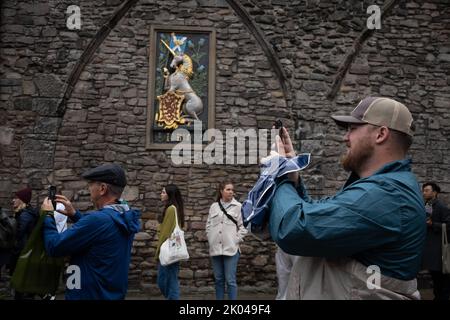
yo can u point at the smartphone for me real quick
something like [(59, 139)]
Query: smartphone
[(279, 125), (52, 195)]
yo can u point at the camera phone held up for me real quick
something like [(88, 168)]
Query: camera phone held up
[(52, 195)]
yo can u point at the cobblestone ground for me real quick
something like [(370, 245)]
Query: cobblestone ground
[(427, 294), (244, 293)]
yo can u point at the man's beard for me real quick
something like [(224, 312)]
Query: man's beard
[(354, 159)]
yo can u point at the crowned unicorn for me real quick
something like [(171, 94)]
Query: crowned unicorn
[(179, 92)]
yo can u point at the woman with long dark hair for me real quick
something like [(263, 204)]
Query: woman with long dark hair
[(168, 275), (225, 232)]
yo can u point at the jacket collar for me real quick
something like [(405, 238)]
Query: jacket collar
[(233, 202), (395, 166)]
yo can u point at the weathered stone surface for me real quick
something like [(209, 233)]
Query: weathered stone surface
[(77, 116), (6, 135), (37, 154), (131, 193), (141, 236), (49, 85), (151, 225), (105, 117), (47, 125), (5, 186), (23, 104), (45, 107)]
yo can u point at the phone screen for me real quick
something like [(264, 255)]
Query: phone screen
[(52, 195), (279, 125)]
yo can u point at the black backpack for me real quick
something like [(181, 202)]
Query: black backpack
[(8, 227)]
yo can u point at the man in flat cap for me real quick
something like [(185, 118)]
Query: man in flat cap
[(366, 241), (99, 243)]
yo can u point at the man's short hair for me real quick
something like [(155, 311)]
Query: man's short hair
[(433, 186), (403, 140), (115, 190)]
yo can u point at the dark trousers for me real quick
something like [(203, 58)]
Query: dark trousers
[(441, 285)]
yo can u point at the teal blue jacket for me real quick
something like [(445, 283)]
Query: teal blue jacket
[(378, 220)]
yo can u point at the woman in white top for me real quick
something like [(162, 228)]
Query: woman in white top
[(225, 232)]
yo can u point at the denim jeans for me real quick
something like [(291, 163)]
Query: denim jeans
[(168, 281), (224, 268)]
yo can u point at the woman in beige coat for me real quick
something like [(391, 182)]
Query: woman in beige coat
[(225, 232)]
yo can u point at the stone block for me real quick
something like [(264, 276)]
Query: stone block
[(10, 82), (49, 32), (150, 224), (260, 261), (359, 69), (47, 125), (389, 91), (141, 236), (40, 158), (23, 104), (314, 86), (6, 135), (62, 173), (45, 106), (186, 274), (213, 3), (76, 115), (131, 193), (444, 57), (49, 85), (5, 186)]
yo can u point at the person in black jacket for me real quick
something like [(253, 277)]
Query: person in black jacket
[(26, 217), (437, 214)]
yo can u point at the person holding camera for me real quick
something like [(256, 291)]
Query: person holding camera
[(366, 241), (99, 243)]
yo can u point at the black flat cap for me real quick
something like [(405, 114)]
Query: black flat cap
[(108, 173)]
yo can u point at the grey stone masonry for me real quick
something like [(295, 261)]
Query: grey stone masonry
[(45, 139)]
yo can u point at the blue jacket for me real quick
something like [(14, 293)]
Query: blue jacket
[(99, 243), (378, 220)]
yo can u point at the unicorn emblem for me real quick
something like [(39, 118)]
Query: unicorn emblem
[(179, 93)]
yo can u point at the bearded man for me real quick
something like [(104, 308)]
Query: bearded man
[(366, 241)]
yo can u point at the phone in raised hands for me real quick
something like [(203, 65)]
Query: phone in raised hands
[(279, 125), (52, 195)]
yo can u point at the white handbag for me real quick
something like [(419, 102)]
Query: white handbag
[(445, 251), (174, 248)]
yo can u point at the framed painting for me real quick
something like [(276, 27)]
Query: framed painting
[(181, 86)]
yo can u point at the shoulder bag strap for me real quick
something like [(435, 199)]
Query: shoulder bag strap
[(228, 216), (176, 217)]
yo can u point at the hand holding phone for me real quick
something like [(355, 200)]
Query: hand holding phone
[(279, 125), (52, 195)]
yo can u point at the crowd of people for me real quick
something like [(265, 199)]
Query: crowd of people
[(380, 219)]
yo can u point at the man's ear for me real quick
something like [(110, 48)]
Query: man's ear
[(383, 134), (103, 189)]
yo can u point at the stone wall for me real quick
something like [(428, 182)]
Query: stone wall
[(43, 141)]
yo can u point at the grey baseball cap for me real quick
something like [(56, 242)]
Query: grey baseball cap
[(108, 173), (380, 112)]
